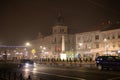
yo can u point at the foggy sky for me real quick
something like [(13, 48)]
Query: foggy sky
[(21, 20)]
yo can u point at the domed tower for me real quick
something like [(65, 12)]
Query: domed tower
[(60, 27)]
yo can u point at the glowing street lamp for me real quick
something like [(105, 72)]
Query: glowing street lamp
[(80, 51), (80, 44), (105, 40), (27, 44), (44, 48)]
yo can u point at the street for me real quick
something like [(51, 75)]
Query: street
[(48, 72)]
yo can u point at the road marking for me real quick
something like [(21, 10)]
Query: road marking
[(76, 78)]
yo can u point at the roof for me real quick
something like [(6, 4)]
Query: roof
[(111, 27), (60, 20)]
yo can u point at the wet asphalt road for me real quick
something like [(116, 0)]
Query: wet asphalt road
[(87, 72)]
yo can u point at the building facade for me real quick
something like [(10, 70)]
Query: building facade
[(89, 45), (12, 52), (85, 45), (57, 43)]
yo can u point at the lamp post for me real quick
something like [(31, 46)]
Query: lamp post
[(80, 44), (27, 44), (105, 40), (42, 50), (81, 49)]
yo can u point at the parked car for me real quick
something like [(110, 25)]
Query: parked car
[(108, 62), (27, 63)]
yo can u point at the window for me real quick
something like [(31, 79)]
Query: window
[(97, 45), (55, 30), (108, 37), (78, 38), (110, 58), (119, 45), (61, 39), (55, 40), (97, 54), (97, 37), (117, 58), (61, 30), (119, 36), (113, 37), (113, 45), (69, 41)]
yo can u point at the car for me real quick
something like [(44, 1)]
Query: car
[(108, 62), (27, 63)]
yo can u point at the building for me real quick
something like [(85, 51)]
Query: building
[(85, 45), (12, 52), (106, 41), (55, 45), (60, 44)]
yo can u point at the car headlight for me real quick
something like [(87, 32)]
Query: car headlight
[(34, 64), (26, 64), (97, 61)]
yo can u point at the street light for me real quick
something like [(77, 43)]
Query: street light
[(27, 44), (80, 44), (105, 40), (42, 50), (81, 49)]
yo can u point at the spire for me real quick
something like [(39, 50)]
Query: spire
[(40, 35), (60, 20)]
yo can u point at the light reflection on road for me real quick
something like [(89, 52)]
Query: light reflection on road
[(34, 71), (26, 73), (41, 71), (29, 71)]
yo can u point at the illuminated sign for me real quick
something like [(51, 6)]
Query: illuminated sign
[(118, 51), (63, 56), (33, 51)]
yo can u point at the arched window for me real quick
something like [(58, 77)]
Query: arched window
[(97, 54)]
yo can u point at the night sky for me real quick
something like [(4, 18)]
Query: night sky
[(21, 20)]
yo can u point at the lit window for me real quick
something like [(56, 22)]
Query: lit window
[(97, 37), (97, 45), (119, 36), (113, 37)]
